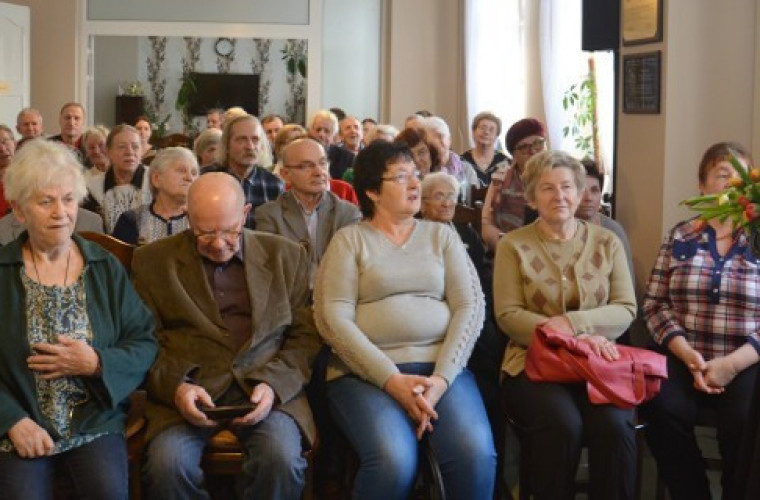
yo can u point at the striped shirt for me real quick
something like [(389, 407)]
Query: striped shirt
[(708, 298)]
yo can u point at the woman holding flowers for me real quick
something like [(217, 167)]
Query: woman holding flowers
[(702, 308)]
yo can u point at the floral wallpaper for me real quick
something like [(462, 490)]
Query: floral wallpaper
[(165, 59)]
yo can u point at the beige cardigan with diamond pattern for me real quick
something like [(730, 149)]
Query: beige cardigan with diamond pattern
[(529, 288)]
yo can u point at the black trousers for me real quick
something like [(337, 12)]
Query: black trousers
[(671, 418), (557, 421)]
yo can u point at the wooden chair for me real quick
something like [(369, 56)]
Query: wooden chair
[(223, 457), (478, 194), (469, 216), (121, 250), (135, 430), (173, 140)]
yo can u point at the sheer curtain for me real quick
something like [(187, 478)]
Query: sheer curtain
[(495, 70), (563, 63), (504, 40)]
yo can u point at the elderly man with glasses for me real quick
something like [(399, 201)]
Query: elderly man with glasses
[(308, 213), (233, 329)]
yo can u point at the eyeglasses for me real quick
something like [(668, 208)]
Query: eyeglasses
[(441, 197), (536, 145), (322, 163), (230, 236), (404, 177)]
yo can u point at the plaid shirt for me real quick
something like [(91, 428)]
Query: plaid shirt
[(259, 187), (709, 299)]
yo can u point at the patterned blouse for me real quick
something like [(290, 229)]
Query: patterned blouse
[(142, 225), (53, 310), (709, 299)]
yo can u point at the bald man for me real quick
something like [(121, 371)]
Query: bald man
[(308, 213), (234, 330)]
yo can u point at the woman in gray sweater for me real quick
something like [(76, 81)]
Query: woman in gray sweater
[(399, 302)]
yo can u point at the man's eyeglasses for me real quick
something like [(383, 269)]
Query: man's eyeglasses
[(536, 145), (403, 177), (441, 197), (322, 164), (229, 236)]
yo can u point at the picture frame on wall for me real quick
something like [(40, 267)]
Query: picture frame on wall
[(641, 21), (641, 82)]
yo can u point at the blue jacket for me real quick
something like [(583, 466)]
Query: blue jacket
[(123, 336)]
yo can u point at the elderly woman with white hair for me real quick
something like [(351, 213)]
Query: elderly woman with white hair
[(95, 153), (76, 340), (171, 173), (451, 162)]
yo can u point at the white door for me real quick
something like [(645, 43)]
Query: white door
[(14, 61)]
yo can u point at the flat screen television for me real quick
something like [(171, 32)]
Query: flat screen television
[(224, 90)]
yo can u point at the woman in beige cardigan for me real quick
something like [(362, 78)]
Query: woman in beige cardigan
[(572, 276)]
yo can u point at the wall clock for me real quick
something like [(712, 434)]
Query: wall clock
[(224, 47)]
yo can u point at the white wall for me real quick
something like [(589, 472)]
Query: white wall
[(708, 72), (708, 89), (230, 11), (351, 56), (116, 60)]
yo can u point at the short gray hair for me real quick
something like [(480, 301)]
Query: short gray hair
[(381, 129), (431, 180), (545, 161), (39, 165), (437, 125), (166, 157), (205, 139), (324, 114), (99, 130)]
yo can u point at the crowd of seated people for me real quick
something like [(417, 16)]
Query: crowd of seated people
[(426, 319)]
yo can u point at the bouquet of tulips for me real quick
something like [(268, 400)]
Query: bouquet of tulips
[(740, 201)]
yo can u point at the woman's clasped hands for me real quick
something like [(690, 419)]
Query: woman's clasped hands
[(418, 395)]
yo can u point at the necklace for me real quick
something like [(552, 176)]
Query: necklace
[(34, 263)]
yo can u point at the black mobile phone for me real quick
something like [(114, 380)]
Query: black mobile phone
[(227, 412)]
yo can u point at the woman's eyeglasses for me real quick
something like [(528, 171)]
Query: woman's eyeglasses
[(536, 145), (403, 177)]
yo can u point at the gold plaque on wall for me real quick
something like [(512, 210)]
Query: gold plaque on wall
[(642, 21)]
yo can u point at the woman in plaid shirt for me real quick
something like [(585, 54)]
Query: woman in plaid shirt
[(702, 308)]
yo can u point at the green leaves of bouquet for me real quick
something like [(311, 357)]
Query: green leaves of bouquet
[(740, 201)]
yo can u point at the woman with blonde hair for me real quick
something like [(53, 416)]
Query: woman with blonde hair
[(571, 276)]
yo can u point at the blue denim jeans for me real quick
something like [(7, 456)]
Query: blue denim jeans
[(96, 470), (272, 465), (383, 436)]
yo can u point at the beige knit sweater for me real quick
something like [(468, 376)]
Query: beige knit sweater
[(530, 287)]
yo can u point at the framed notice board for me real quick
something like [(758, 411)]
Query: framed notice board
[(642, 21), (641, 83)]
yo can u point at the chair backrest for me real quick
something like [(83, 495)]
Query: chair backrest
[(469, 215), (120, 250), (174, 140), (478, 194)]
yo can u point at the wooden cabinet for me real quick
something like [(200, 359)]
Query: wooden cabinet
[(128, 108)]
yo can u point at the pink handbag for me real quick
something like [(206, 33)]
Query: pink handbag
[(631, 379)]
